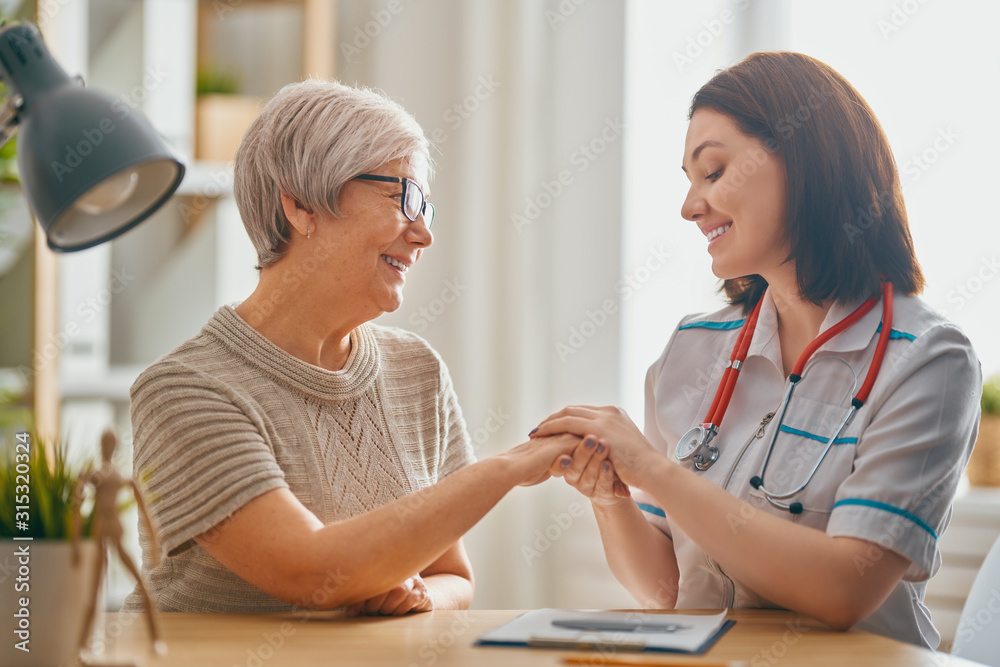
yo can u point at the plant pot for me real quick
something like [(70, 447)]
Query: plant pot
[(220, 123), (984, 466), (57, 594)]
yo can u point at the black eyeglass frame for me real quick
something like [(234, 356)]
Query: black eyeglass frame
[(407, 182)]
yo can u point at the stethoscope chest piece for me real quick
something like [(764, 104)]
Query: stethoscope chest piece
[(696, 445)]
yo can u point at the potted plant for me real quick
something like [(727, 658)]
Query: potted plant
[(984, 466), (222, 115), (44, 596)]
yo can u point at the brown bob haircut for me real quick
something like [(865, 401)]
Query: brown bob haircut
[(846, 222)]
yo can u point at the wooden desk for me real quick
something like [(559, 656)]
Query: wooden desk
[(443, 638)]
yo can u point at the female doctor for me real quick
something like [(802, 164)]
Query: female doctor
[(817, 469)]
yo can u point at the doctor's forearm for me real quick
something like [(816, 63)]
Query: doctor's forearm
[(800, 568), (638, 554)]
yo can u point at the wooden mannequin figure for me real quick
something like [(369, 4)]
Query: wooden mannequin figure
[(107, 530)]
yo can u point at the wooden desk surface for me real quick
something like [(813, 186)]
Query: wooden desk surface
[(443, 638)]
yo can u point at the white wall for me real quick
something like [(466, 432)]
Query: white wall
[(926, 68), (510, 93)]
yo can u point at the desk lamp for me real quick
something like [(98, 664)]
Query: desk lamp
[(91, 167)]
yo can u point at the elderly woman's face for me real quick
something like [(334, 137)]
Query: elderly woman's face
[(376, 245)]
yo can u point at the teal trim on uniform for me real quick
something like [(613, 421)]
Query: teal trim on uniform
[(895, 334), (706, 324), (817, 438), (652, 510), (888, 508)]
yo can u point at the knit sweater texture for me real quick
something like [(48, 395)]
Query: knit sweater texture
[(228, 416)]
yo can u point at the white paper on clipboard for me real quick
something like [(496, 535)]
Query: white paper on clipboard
[(624, 630)]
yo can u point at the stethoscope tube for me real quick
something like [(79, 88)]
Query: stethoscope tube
[(857, 401), (696, 443), (757, 481)]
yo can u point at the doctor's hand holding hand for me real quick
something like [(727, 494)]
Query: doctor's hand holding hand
[(627, 448), (588, 470)]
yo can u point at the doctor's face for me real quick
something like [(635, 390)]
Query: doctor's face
[(737, 197)]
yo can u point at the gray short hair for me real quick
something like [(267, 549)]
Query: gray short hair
[(311, 139)]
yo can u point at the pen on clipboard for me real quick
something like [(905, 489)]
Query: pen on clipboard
[(647, 662), (615, 625)]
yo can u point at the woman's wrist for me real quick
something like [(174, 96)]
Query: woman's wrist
[(651, 468)]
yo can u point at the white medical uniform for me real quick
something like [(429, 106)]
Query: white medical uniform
[(890, 477)]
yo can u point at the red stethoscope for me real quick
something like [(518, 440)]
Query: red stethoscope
[(695, 445)]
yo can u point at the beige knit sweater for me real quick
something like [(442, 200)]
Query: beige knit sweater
[(228, 416)]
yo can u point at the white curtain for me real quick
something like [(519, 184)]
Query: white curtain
[(524, 101)]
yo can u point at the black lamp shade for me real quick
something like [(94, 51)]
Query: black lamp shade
[(92, 168)]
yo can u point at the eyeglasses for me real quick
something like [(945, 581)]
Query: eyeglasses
[(413, 202)]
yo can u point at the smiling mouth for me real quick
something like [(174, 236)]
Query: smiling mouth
[(392, 262), (717, 232)]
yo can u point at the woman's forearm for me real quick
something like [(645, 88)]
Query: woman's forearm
[(795, 566), (639, 555), (279, 546), (378, 550), (449, 591)]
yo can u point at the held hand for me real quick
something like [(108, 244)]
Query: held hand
[(534, 458), (409, 597), (589, 471), (628, 449)]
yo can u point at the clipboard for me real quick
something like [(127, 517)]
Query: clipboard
[(610, 631)]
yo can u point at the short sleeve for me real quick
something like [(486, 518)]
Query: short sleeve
[(198, 456), (650, 509), (454, 435), (912, 453)]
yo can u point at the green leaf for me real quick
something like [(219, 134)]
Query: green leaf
[(50, 489), (991, 396)]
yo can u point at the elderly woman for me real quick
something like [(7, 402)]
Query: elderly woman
[(292, 453)]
